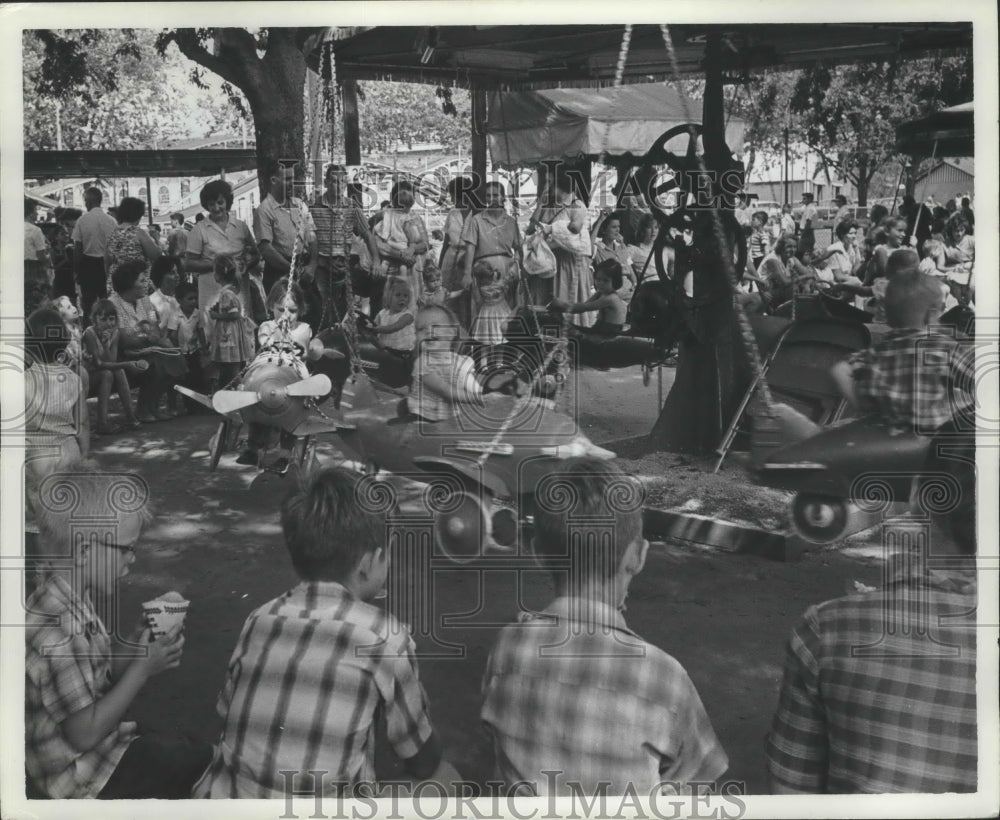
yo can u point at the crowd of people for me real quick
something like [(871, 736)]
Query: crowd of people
[(314, 667), (783, 261)]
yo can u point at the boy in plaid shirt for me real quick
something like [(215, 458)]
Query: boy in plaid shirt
[(573, 697), (915, 380), (313, 667), (78, 686)]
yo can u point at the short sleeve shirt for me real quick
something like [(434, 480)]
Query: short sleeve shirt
[(808, 215), (310, 672), (93, 230), (207, 240), (573, 691), (457, 370), (67, 668), (279, 224), (35, 245), (404, 338)]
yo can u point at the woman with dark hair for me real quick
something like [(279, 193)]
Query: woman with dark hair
[(563, 219), (606, 235), (841, 260), (492, 236), (140, 339), (222, 234), (129, 242)]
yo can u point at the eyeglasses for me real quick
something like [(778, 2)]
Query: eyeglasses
[(123, 548)]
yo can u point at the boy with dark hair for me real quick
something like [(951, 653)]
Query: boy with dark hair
[(177, 243), (77, 687), (914, 379), (573, 697), (313, 667)]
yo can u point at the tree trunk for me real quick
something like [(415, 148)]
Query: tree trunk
[(863, 180), (712, 370)]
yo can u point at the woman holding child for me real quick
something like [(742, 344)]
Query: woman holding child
[(562, 218), (222, 234), (401, 237), (493, 238)]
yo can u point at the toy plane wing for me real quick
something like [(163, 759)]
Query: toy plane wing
[(315, 425)]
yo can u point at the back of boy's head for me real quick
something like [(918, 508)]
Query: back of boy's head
[(160, 268), (327, 530), (931, 247), (177, 217), (912, 299), (47, 335), (611, 268), (439, 316), (82, 505), (588, 513)]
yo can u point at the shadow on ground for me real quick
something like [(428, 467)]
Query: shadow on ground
[(216, 539)]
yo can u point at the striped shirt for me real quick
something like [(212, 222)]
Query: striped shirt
[(309, 672), (879, 691), (587, 697), (67, 668), (335, 226), (914, 379)]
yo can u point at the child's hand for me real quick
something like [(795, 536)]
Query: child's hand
[(138, 366), (163, 653)]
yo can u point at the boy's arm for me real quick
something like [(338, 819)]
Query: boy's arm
[(843, 376), (87, 727)]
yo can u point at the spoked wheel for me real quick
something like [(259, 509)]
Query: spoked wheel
[(819, 518)]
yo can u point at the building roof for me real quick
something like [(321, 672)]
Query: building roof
[(523, 57), (164, 163), (965, 165)]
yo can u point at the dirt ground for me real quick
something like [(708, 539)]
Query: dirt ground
[(725, 617)]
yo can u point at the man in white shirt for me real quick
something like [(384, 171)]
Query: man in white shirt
[(90, 243), (36, 249), (807, 223)]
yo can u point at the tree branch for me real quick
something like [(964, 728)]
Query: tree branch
[(190, 46)]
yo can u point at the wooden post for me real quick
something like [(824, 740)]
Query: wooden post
[(149, 201), (479, 143), (352, 131)]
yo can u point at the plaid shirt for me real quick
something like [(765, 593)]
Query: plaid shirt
[(879, 692), (335, 226), (67, 668), (914, 379), (304, 683), (585, 696)]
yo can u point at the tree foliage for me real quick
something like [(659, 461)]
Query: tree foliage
[(404, 114), (108, 88), (848, 114)]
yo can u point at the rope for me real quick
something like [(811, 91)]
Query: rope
[(743, 322)]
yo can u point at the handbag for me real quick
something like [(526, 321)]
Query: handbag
[(539, 260)]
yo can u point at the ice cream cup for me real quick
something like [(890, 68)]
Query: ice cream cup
[(165, 612)]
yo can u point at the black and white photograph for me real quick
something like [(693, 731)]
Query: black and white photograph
[(482, 410)]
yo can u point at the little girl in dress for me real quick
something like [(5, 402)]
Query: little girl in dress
[(394, 323), (230, 333), (490, 323), (434, 294)]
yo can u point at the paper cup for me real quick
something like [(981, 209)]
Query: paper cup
[(163, 616)]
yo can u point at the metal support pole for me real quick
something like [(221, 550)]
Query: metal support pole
[(479, 142), (149, 201), (352, 131)]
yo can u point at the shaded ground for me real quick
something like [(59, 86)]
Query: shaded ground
[(216, 539)]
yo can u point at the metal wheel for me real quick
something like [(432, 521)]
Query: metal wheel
[(819, 518)]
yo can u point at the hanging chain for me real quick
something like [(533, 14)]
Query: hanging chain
[(747, 335)]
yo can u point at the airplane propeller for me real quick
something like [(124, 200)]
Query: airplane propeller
[(228, 401), (318, 385)]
